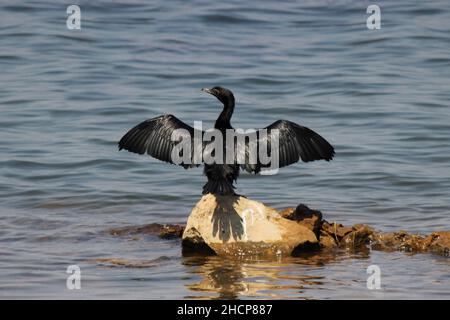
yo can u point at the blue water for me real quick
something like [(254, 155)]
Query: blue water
[(381, 97)]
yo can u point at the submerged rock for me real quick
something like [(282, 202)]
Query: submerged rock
[(327, 241), (237, 226), (358, 237), (164, 231), (437, 242), (335, 230), (126, 263), (171, 231)]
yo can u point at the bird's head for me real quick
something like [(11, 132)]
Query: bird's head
[(224, 95)]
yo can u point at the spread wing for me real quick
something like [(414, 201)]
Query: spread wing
[(295, 143), (155, 137)]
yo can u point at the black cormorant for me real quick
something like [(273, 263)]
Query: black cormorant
[(153, 136)]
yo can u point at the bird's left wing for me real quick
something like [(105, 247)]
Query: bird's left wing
[(295, 142), (154, 136)]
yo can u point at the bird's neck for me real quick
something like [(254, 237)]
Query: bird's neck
[(223, 121)]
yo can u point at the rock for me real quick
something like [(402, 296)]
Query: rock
[(287, 213), (119, 262), (164, 231), (400, 241), (237, 226), (311, 219), (327, 241), (193, 243), (171, 232), (336, 231), (439, 243), (359, 236)]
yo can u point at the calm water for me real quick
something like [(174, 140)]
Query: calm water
[(66, 97)]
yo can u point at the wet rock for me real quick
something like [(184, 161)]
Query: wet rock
[(126, 263), (194, 244), (327, 241), (439, 243), (310, 218), (335, 230), (237, 226), (164, 231), (359, 236), (171, 232), (398, 241)]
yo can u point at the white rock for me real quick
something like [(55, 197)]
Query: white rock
[(237, 226)]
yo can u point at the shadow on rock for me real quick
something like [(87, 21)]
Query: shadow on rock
[(226, 220)]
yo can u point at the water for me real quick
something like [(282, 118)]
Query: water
[(66, 97)]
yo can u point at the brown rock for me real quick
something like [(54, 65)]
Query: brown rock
[(310, 218), (327, 241), (337, 231), (439, 242), (171, 232), (168, 231), (359, 236), (288, 213), (400, 240), (194, 244), (119, 262)]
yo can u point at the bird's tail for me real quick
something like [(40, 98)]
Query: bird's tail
[(222, 187)]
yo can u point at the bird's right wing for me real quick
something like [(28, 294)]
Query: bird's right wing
[(154, 137)]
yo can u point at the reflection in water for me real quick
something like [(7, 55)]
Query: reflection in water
[(283, 279)]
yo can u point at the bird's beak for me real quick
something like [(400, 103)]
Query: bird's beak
[(207, 90)]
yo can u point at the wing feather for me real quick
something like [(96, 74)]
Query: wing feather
[(153, 137), (295, 142)]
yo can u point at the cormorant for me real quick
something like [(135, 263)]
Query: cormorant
[(296, 142)]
